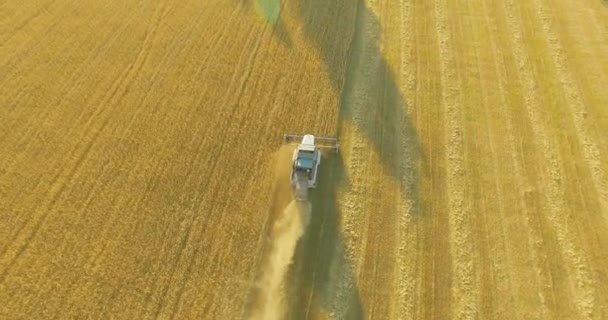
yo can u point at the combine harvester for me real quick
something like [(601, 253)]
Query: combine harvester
[(306, 160)]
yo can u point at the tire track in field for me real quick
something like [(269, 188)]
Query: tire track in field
[(210, 162), (121, 85), (94, 259), (577, 108), (78, 156), (236, 86), (35, 43), (41, 9), (223, 207), (56, 177), (341, 297), (251, 61), (123, 82), (211, 183), (33, 130), (57, 186), (554, 195), (268, 95), (465, 291), (211, 263), (203, 133), (16, 77), (235, 89), (201, 70), (14, 71)]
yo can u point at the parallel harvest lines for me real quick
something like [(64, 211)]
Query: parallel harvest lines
[(465, 291), (485, 196), (128, 128), (56, 187), (77, 79), (503, 280), (554, 203), (377, 263), (587, 65), (406, 209), (432, 244), (354, 100), (511, 241), (578, 109), (529, 105)]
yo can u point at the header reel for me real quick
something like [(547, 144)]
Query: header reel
[(319, 142)]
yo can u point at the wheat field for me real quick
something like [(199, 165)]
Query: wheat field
[(142, 172)]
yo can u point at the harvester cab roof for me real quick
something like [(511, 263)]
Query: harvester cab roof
[(305, 159)]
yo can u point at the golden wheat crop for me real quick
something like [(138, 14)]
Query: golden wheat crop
[(141, 174)]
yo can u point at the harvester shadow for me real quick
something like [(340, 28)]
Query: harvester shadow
[(372, 104), (370, 99), (280, 32), (269, 11), (369, 95), (322, 274)]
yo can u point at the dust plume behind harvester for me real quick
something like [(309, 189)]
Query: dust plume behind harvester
[(306, 160)]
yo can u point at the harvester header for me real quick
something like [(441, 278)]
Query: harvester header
[(319, 142)]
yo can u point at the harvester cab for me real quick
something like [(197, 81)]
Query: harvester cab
[(306, 160)]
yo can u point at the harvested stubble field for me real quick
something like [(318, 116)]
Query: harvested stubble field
[(139, 148)]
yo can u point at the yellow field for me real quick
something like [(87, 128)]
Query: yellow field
[(141, 172)]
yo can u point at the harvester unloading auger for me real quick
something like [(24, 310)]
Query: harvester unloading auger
[(306, 160)]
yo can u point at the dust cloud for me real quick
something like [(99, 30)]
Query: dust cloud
[(286, 232), (290, 220)]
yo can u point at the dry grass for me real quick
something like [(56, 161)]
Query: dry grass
[(136, 157)]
